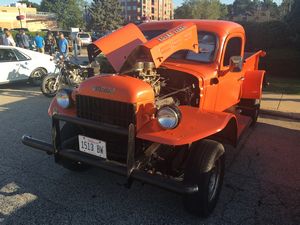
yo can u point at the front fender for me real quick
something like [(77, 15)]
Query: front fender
[(55, 108), (252, 85), (195, 125)]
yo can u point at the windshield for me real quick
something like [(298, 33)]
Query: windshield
[(83, 35), (207, 46)]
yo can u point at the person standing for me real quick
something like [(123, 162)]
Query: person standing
[(79, 43), (56, 36), (3, 36), (24, 40), (52, 44), (63, 45), (8, 39), (39, 42), (18, 39)]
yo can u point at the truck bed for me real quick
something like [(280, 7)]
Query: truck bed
[(251, 60)]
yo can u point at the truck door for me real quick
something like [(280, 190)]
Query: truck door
[(230, 82)]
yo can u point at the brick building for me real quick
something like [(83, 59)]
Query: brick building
[(136, 10)]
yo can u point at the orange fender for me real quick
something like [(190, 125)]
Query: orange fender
[(195, 125), (252, 85), (55, 108)]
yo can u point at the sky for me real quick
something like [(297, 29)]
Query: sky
[(176, 2)]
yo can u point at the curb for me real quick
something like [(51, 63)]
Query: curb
[(288, 115)]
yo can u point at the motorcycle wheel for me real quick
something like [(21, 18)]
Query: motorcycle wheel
[(48, 86), (37, 76)]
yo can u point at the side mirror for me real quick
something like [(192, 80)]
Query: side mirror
[(236, 64)]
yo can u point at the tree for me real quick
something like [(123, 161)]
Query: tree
[(271, 6), (105, 15), (242, 6), (224, 11), (286, 7), (69, 12), (201, 9), (293, 18)]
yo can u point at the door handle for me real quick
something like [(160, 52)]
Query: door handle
[(241, 79)]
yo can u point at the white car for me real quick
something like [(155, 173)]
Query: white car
[(85, 38), (21, 64)]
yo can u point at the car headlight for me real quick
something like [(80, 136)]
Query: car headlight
[(63, 98), (168, 117)]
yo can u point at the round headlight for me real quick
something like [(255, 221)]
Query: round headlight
[(168, 117), (63, 98)]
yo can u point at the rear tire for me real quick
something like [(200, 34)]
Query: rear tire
[(205, 168), (251, 108), (48, 87), (37, 76), (69, 131)]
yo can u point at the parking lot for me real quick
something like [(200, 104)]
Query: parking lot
[(262, 181)]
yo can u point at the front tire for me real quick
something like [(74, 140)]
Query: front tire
[(205, 168), (48, 87)]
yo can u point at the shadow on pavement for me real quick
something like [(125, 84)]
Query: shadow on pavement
[(19, 89)]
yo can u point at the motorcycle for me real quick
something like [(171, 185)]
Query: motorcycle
[(66, 73)]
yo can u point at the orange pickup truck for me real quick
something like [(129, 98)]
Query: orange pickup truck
[(180, 90)]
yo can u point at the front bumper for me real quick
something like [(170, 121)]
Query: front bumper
[(127, 169)]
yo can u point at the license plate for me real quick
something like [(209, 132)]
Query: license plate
[(92, 146)]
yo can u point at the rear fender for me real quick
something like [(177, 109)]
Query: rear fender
[(195, 125), (252, 85)]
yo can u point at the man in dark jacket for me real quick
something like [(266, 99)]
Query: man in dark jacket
[(24, 40)]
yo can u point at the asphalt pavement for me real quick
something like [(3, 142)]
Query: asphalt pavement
[(262, 181)]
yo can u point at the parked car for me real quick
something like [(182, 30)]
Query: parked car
[(45, 30), (18, 29), (21, 64), (85, 38), (180, 91)]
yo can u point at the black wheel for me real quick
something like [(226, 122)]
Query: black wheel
[(253, 113), (48, 86), (37, 76), (68, 132), (205, 168), (251, 108)]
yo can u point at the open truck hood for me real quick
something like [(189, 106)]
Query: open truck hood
[(124, 47)]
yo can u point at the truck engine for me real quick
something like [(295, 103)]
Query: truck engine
[(170, 87)]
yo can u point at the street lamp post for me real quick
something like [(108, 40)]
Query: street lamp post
[(85, 16), (20, 18)]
